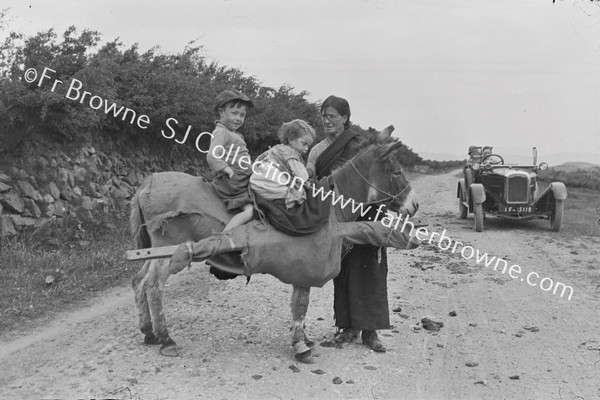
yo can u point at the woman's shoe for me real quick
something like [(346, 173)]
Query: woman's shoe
[(346, 335), (370, 339)]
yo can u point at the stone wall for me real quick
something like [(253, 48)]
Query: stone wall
[(40, 185)]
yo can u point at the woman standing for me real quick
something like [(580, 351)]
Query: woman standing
[(360, 290)]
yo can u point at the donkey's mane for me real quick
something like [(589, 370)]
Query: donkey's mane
[(366, 146)]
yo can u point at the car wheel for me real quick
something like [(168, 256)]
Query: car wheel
[(478, 217), (468, 177), (462, 209), (557, 215)]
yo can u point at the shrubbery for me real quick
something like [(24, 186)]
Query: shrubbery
[(586, 178), (162, 86), (443, 166), (180, 86)]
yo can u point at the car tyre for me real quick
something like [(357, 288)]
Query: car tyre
[(557, 215), (478, 210), (462, 209), (468, 173)]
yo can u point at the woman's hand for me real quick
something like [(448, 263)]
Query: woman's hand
[(228, 171)]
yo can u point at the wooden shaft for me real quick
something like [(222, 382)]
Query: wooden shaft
[(150, 253)]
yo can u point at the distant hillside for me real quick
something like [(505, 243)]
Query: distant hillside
[(574, 166), (573, 174), (442, 156), (511, 157)]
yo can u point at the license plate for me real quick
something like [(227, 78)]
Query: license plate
[(515, 209)]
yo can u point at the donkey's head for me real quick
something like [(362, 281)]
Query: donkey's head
[(389, 184), (378, 178)]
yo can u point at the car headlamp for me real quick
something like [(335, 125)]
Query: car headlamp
[(476, 166), (543, 166)]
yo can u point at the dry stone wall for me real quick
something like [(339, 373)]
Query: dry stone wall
[(86, 184)]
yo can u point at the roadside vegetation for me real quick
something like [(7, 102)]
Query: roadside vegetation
[(58, 267), (439, 167), (582, 207), (582, 212), (588, 177), (164, 87)]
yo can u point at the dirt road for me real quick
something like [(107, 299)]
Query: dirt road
[(508, 340)]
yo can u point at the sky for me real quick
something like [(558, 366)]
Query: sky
[(446, 73)]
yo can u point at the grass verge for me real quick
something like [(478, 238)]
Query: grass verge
[(58, 267), (582, 212)]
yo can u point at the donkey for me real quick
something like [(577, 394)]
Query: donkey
[(373, 176)]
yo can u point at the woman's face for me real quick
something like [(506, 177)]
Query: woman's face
[(333, 122)]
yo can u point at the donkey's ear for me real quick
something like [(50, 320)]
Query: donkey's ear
[(386, 149), (384, 134)]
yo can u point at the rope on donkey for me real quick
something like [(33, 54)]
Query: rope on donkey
[(261, 215)]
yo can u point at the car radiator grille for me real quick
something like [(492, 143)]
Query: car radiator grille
[(517, 189)]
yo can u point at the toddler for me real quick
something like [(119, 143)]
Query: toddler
[(278, 183), (279, 172)]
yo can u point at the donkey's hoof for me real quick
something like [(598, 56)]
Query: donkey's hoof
[(305, 357), (169, 350), (151, 339)]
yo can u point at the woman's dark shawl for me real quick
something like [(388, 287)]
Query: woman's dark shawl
[(343, 148)]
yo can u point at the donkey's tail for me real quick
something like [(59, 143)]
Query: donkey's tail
[(137, 224)]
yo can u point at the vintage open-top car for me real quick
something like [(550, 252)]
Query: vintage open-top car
[(508, 191)]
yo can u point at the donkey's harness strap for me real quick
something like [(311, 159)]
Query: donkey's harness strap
[(390, 196)]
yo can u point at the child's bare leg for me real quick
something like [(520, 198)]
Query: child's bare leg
[(241, 218)]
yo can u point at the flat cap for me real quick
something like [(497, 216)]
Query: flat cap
[(231, 95)]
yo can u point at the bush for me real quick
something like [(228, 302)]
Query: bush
[(585, 178), (180, 86), (160, 86)]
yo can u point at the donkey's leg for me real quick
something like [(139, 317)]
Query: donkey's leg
[(154, 283), (299, 304), (141, 301)]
